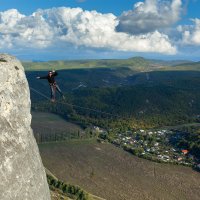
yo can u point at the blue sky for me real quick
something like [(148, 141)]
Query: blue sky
[(104, 6), (90, 29)]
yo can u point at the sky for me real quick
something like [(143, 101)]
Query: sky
[(100, 29)]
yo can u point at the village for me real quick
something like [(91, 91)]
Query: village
[(156, 145)]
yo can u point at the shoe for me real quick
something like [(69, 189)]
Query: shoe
[(53, 100)]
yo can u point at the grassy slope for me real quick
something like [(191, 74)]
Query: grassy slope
[(113, 174), (186, 66), (47, 125), (50, 122)]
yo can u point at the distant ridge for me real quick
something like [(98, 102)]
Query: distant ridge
[(161, 62), (137, 64), (189, 64)]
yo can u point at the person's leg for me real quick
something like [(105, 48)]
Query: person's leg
[(59, 90), (53, 93)]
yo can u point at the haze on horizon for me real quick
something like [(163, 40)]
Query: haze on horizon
[(96, 29)]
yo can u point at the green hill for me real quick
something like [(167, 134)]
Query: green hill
[(154, 98), (138, 92), (136, 64), (195, 66)]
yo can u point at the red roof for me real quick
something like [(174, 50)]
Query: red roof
[(185, 151)]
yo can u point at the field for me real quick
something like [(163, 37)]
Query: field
[(48, 127), (111, 173)]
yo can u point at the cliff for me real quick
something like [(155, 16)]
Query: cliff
[(22, 174)]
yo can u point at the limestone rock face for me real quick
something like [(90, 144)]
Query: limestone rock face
[(22, 175)]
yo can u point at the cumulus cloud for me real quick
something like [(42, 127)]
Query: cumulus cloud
[(75, 27), (149, 16), (17, 30), (191, 33)]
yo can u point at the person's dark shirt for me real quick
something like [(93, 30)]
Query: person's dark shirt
[(51, 78)]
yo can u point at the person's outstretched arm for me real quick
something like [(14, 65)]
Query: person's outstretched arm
[(54, 73)]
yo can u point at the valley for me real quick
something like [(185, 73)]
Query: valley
[(155, 100)]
